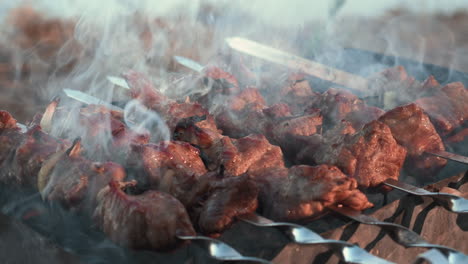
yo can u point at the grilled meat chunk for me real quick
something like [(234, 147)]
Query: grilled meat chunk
[(242, 114), (447, 108), (370, 156), (7, 121), (336, 104), (150, 220), (298, 94), (224, 199), (142, 89), (304, 192), (22, 154), (31, 154), (412, 129), (251, 154), (75, 181), (173, 167)]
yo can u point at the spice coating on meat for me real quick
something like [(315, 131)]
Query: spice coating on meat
[(336, 104), (172, 167), (370, 156), (75, 181), (151, 220), (304, 191), (228, 198), (251, 154), (142, 89), (412, 129), (7, 121)]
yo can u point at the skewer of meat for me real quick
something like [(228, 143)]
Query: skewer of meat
[(251, 155), (129, 216), (176, 168), (446, 114)]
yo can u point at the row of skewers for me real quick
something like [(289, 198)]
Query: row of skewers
[(209, 178)]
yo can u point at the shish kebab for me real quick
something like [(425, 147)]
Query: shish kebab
[(193, 65), (82, 187), (302, 235), (450, 201), (312, 68), (347, 251)]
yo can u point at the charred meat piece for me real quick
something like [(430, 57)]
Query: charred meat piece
[(277, 111), (336, 104), (364, 115), (370, 156), (225, 199), (248, 98), (242, 114), (221, 85), (458, 136), (7, 121), (150, 220), (31, 154), (251, 155), (143, 90), (99, 121), (172, 167), (412, 129), (75, 181), (226, 80), (302, 192), (298, 94), (176, 112), (201, 132), (447, 108)]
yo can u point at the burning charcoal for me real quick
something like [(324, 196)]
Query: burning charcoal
[(302, 192), (150, 220), (370, 156), (226, 198), (412, 129)]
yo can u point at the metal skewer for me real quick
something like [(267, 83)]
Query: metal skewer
[(400, 234), (301, 235), (300, 64), (220, 250), (451, 202)]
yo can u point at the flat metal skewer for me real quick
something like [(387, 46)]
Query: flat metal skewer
[(301, 235), (400, 234), (451, 202), (291, 61)]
